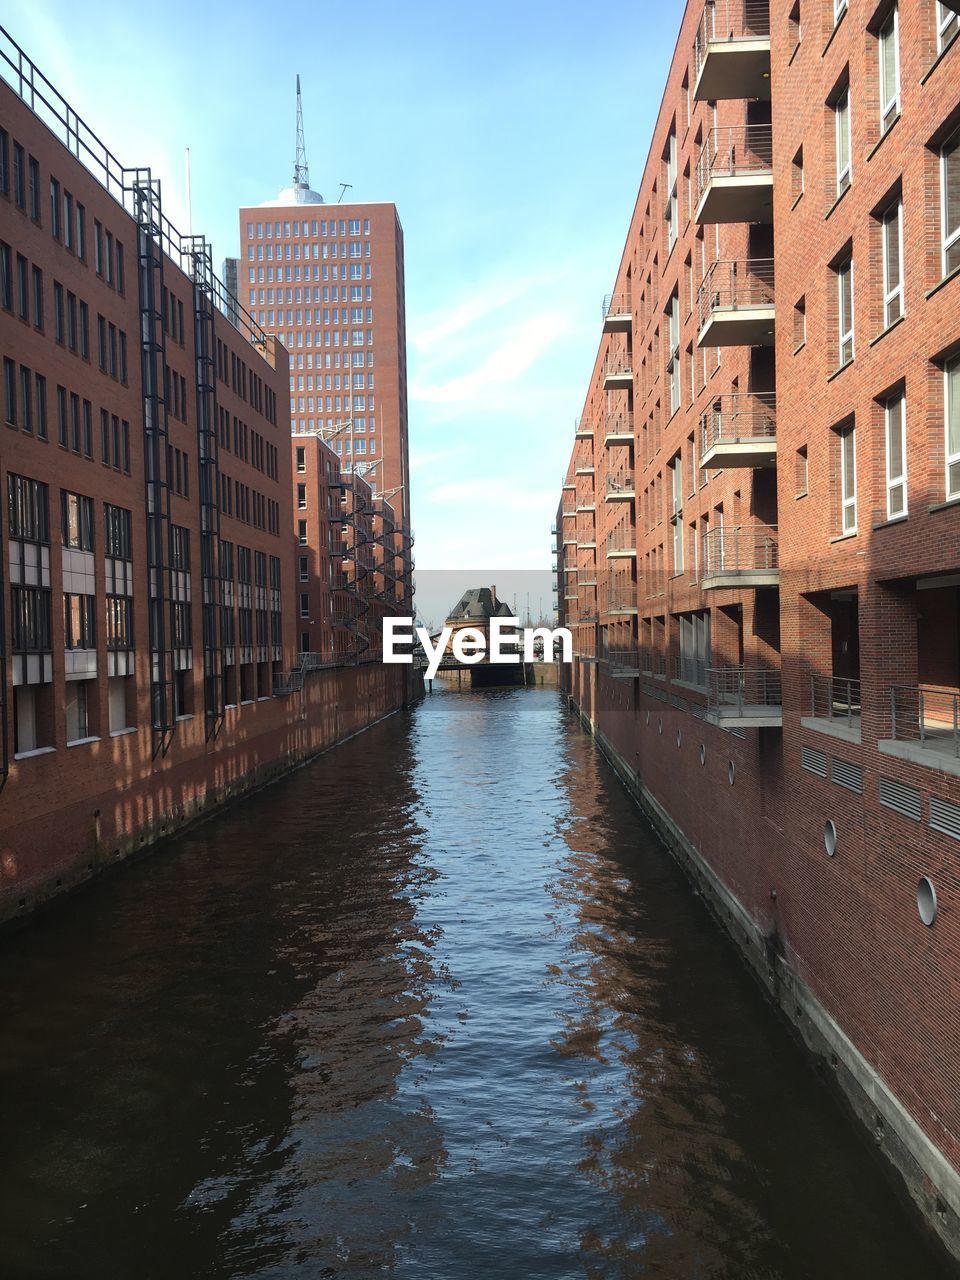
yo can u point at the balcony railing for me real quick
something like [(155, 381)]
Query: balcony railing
[(724, 25), (835, 699), (617, 313), (620, 485), (743, 696), (734, 151), (749, 553), (618, 366), (926, 716), (623, 661), (622, 541), (622, 599), (619, 427), (747, 420), (742, 285)]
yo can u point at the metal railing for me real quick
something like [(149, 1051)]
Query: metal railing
[(739, 417), (926, 715), (738, 691), (616, 304), (618, 364), (622, 482), (740, 549), (306, 662), (730, 151), (619, 424), (623, 538), (834, 698), (735, 286), (725, 20), (627, 659), (622, 599)]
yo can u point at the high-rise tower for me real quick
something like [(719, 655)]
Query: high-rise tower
[(327, 279)]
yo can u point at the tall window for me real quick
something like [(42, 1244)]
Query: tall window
[(845, 310), (889, 41), (676, 518), (673, 361), (848, 480), (950, 190), (892, 226), (839, 9), (951, 398), (895, 416), (841, 111), (948, 24), (77, 521), (672, 210)]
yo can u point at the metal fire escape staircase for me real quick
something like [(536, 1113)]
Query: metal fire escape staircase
[(205, 338), (145, 191)]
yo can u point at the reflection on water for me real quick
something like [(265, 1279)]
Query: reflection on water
[(438, 1006)]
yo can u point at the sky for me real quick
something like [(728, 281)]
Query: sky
[(512, 138)]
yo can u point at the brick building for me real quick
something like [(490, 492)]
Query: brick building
[(149, 563), (328, 280), (759, 530)]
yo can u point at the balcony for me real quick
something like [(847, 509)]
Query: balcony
[(620, 487), (731, 51), (624, 664), (924, 726), (832, 706), (735, 175), (619, 428), (740, 557), (618, 371), (617, 313), (735, 304), (582, 431), (622, 601), (744, 698), (740, 430), (622, 543)]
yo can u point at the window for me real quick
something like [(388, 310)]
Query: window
[(77, 521), (303, 570), (9, 391), (845, 311), (34, 190), (676, 486), (888, 41), (892, 226), (839, 9), (848, 479), (6, 277), (841, 111), (950, 190), (948, 24), (26, 400), (797, 175), (23, 292), (19, 176), (302, 496), (673, 361), (304, 605), (951, 397), (78, 725), (302, 530), (119, 622), (301, 458), (117, 542), (801, 472), (799, 323), (55, 211), (27, 511), (40, 384), (895, 420), (79, 626), (672, 211), (4, 162), (37, 298)]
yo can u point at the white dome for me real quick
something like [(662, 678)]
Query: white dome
[(300, 194)]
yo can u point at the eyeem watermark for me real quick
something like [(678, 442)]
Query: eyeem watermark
[(504, 643)]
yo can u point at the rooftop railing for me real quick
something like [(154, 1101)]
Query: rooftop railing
[(739, 417), (735, 286), (731, 151)]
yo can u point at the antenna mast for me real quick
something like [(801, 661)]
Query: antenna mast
[(301, 176)]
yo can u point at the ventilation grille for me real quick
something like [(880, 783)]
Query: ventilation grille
[(904, 800), (698, 710), (736, 733), (678, 702), (814, 761), (848, 775), (945, 817)]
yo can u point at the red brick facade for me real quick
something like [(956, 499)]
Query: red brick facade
[(149, 563), (765, 502)]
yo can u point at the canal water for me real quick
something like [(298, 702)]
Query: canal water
[(438, 1006)]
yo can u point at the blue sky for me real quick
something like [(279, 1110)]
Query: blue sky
[(511, 137)]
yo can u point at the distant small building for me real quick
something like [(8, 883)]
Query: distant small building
[(478, 605)]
